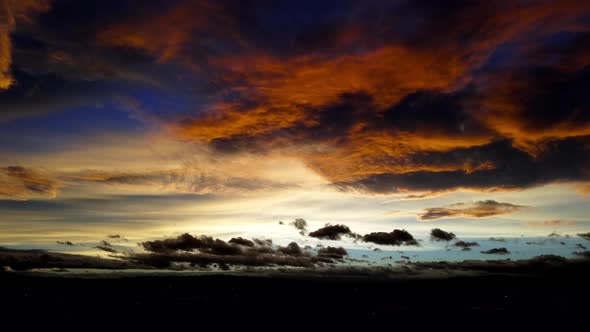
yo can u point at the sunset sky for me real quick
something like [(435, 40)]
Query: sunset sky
[(149, 119)]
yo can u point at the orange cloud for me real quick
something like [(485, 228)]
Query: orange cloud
[(11, 12), (277, 100), (479, 209), (165, 34), (17, 182)]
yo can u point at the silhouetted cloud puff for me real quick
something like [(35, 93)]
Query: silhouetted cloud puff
[(241, 241), (466, 245), (332, 232), (66, 243), (114, 236), (496, 251), (438, 234), (332, 252), (585, 236), (184, 242), (478, 209), (300, 224), (396, 237)]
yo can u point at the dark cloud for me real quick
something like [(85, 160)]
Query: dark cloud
[(585, 236), (396, 237), (106, 248), (496, 251), (66, 243), (466, 246), (241, 241), (291, 249), (478, 209), (206, 251), (332, 252), (332, 232), (114, 236), (263, 242), (300, 224), (29, 259), (17, 182), (185, 242), (437, 234)]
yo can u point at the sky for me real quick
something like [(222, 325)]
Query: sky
[(136, 121)]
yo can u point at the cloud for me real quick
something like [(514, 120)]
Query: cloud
[(187, 179), (585, 236), (241, 241), (29, 259), (495, 103), (187, 242), (106, 248), (300, 224), (66, 243), (205, 251), (466, 245), (395, 238), (551, 223), (437, 234), (332, 232), (12, 12), (291, 249), (396, 118), (332, 252), (17, 182), (480, 209), (496, 251)]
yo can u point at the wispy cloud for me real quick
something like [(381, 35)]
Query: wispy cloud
[(480, 209)]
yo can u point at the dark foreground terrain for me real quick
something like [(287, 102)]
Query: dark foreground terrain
[(537, 289)]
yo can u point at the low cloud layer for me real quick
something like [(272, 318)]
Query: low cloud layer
[(205, 251), (480, 209)]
